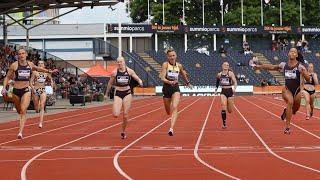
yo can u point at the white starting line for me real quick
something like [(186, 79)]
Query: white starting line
[(157, 148)]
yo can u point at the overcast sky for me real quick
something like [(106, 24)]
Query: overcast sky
[(96, 15)]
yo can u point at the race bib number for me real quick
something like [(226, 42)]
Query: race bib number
[(290, 74), (122, 79), (173, 75), (24, 74), (224, 81), (41, 78)]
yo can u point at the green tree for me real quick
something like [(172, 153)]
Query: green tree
[(252, 10)]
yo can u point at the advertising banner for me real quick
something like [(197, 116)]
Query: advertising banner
[(199, 29)]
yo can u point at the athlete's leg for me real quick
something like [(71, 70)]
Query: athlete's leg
[(43, 98), (224, 104)]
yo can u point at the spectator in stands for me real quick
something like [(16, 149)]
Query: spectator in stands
[(299, 45), (21, 72), (247, 51), (285, 44), (121, 77), (274, 46), (246, 80), (227, 80), (293, 71), (292, 43), (245, 45), (309, 91), (273, 82), (222, 50), (238, 76), (305, 47), (39, 95), (246, 48), (171, 93), (264, 82)]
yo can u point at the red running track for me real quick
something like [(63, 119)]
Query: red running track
[(86, 144)]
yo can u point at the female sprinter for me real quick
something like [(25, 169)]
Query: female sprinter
[(171, 92), (309, 91), (227, 80), (39, 95), (121, 78), (20, 71), (294, 73)]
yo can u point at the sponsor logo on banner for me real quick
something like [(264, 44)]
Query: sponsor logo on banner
[(314, 30), (277, 29), (130, 28), (165, 29), (203, 29), (127, 28), (242, 29)]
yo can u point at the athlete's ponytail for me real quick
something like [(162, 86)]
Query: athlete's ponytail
[(300, 58)]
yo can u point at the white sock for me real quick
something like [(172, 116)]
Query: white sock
[(171, 129)]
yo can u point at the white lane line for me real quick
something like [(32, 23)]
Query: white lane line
[(116, 157), (65, 117), (270, 150), (196, 148), (316, 117), (151, 155), (70, 125), (26, 165), (293, 124)]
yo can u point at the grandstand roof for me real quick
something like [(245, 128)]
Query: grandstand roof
[(10, 6)]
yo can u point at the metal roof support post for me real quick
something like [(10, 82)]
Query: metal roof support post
[(214, 42), (105, 37), (156, 42), (27, 38), (5, 34), (119, 41), (185, 42), (130, 43)]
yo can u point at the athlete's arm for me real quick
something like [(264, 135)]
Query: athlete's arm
[(270, 67), (217, 81), (315, 78), (110, 82), (31, 82), (41, 69), (234, 80), (135, 76), (8, 77), (184, 74), (304, 73)]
